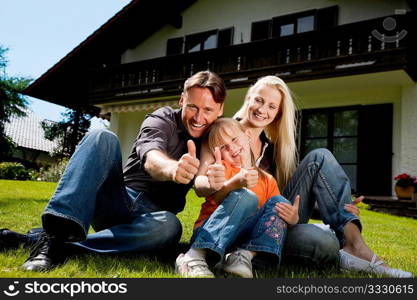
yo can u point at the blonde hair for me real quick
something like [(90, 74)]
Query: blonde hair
[(281, 132)]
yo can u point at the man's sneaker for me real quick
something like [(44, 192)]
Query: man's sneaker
[(45, 254), (238, 264), (12, 240), (192, 267), (349, 262)]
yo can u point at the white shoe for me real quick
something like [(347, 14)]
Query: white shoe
[(350, 262), (192, 267), (238, 264)]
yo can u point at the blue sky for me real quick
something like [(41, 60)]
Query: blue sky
[(39, 33)]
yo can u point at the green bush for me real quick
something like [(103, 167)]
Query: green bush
[(52, 173), (12, 170)]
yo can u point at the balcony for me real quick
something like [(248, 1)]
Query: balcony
[(343, 50)]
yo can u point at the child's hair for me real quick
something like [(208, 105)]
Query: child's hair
[(224, 128)]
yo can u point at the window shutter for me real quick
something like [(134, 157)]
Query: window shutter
[(375, 150), (225, 37), (327, 17), (261, 30), (175, 46)]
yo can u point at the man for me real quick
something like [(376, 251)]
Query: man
[(133, 209)]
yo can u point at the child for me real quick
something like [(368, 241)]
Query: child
[(242, 215)]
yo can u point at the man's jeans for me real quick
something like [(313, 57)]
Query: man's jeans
[(236, 222), (92, 192), (318, 179)]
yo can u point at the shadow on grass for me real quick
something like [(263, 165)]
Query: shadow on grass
[(152, 263), (163, 262)]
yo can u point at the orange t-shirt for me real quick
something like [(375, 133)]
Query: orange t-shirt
[(266, 188)]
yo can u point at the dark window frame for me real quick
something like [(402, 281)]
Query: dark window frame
[(374, 144)]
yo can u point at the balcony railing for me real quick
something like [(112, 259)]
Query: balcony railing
[(347, 49)]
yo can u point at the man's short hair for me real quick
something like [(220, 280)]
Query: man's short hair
[(210, 80)]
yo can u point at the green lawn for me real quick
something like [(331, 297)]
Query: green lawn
[(21, 203)]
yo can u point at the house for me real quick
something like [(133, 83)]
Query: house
[(28, 135), (351, 64)]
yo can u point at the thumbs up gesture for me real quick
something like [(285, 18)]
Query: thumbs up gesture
[(288, 212), (248, 175), (215, 172), (187, 165)]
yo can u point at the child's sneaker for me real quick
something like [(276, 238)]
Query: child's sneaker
[(237, 263), (192, 267)]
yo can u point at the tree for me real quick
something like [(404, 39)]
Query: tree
[(70, 130), (12, 102)]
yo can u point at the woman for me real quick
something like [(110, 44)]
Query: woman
[(269, 113)]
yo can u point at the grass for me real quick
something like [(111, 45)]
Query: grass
[(22, 202)]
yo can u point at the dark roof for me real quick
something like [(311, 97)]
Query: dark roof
[(66, 82)]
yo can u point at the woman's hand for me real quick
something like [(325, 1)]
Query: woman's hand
[(352, 208), (288, 212)]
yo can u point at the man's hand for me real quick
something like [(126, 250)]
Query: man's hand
[(288, 212), (187, 165), (352, 208), (215, 172)]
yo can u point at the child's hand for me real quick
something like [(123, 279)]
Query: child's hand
[(248, 178), (215, 172), (288, 212)]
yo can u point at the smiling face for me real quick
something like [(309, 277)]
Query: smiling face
[(231, 140), (233, 147), (199, 110), (263, 106)]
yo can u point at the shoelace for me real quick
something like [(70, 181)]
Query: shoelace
[(42, 246), (240, 258)]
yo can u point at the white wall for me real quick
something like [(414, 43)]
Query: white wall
[(408, 152), (126, 126), (211, 14)]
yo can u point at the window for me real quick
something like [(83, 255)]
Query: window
[(360, 138), (201, 41), (294, 23), (336, 130), (287, 29), (305, 24), (261, 30), (300, 22)]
